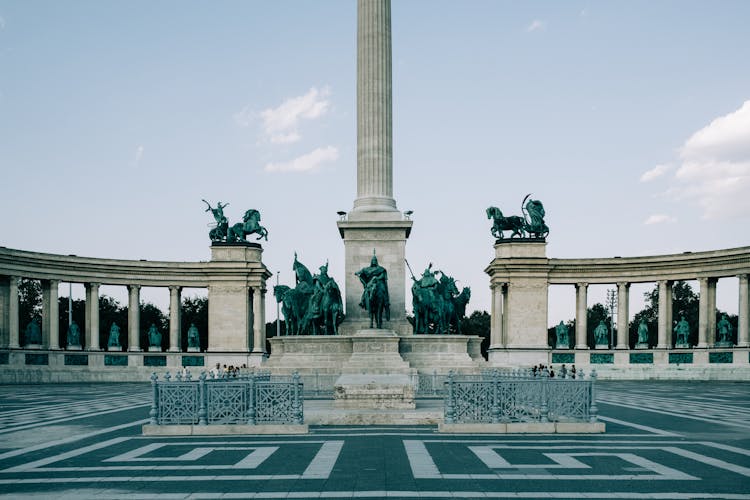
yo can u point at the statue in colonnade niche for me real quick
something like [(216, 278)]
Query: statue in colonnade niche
[(113, 343), (314, 306), (222, 232), (724, 332), (563, 336), (530, 225), (642, 335), (375, 299), (154, 337), (74, 335), (33, 333), (681, 332), (438, 306), (193, 338), (601, 335)]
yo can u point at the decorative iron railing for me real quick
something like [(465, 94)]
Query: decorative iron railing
[(253, 398), (519, 396)]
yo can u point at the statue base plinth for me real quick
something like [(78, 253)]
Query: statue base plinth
[(154, 349), (682, 346), (115, 348), (641, 346), (32, 346), (374, 391), (598, 346), (563, 347), (193, 349), (724, 343), (74, 348)]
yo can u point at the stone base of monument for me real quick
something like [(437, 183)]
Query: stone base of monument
[(193, 349), (32, 346), (724, 343), (642, 345), (601, 346), (74, 348), (682, 346), (223, 429), (375, 376), (525, 428), (154, 349), (115, 348)]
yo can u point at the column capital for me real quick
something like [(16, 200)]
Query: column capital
[(743, 277), (582, 284), (173, 288), (623, 284), (134, 287), (93, 284)]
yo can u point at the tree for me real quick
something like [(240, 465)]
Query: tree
[(478, 323), (29, 303), (194, 312), (685, 302)]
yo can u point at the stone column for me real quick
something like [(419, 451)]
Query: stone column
[(712, 311), (496, 329), (665, 317), (743, 320), (92, 305), (4, 301), (623, 303), (581, 318), (134, 318), (175, 313), (374, 107), (50, 313), (259, 321), (703, 313), (14, 331)]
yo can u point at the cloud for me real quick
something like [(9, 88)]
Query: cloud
[(714, 170), (659, 219), (280, 124), (536, 25), (309, 162), (137, 156), (2, 23), (655, 172)]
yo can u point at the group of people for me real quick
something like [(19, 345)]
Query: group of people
[(225, 371), (541, 370)]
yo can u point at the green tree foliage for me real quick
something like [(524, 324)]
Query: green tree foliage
[(478, 323), (684, 302), (271, 332), (594, 314), (194, 312), (30, 302)]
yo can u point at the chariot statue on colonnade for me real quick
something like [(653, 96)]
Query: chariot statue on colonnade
[(530, 225), (222, 232)]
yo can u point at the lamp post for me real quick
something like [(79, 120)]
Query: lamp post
[(278, 324), (612, 306)]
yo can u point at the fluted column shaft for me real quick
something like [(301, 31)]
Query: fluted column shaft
[(50, 313), (743, 327), (496, 331), (374, 107), (92, 306), (623, 302), (581, 315), (712, 311), (134, 318), (175, 313), (14, 331), (259, 321), (703, 313), (665, 316)]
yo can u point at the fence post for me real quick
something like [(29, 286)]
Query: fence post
[(202, 399), (544, 410), (495, 381), (448, 418), (251, 400), (593, 410), (154, 413), (298, 417)]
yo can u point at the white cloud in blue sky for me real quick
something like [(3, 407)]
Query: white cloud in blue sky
[(310, 162), (280, 124), (715, 167), (656, 172), (536, 25), (659, 219)]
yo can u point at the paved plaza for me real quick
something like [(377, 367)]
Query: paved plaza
[(663, 440)]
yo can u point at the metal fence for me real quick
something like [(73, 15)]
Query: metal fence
[(253, 398), (496, 397)]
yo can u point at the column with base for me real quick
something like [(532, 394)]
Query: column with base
[(712, 311), (258, 353), (743, 320), (664, 333), (14, 331), (134, 318), (4, 303), (581, 315), (50, 313), (92, 325), (497, 340), (623, 302), (174, 319), (703, 313)]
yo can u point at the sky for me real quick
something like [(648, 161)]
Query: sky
[(629, 120)]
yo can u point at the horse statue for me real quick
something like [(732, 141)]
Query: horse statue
[(294, 305), (249, 225), (514, 223), (459, 308), (424, 302), (446, 290), (376, 301), (328, 313)]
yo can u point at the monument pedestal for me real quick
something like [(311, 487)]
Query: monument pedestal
[(375, 376)]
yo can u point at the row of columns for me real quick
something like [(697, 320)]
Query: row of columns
[(707, 314), (9, 310)]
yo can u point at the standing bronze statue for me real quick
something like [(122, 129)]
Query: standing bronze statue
[(375, 299)]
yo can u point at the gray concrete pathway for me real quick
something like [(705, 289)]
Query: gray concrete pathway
[(664, 440)]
